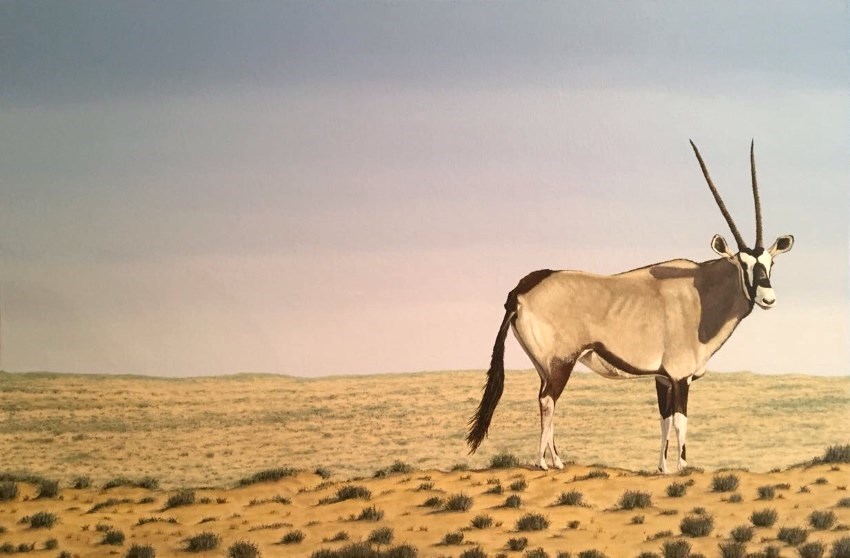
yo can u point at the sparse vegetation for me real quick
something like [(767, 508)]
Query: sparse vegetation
[(243, 549), (742, 533), (571, 498), (40, 520), (146, 520), (495, 489), (638, 519), (482, 521), (8, 490), (840, 548), (457, 503), (632, 499), (698, 525), (504, 461), (323, 472), (202, 542), (433, 502), (363, 550), (398, 467), (811, 550), (109, 503), (735, 498), (676, 490), (513, 501), (592, 553), (47, 489), (733, 549), (293, 537), (180, 498), (339, 536), (766, 492), (370, 513), (724, 483), (536, 553), (475, 552), (114, 537), (792, 535), (455, 537), (532, 522), (276, 499), (822, 520), (676, 549), (347, 492), (764, 518), (425, 486), (268, 475), (836, 454), (519, 485), (592, 474), (148, 483), (140, 551), (517, 544), (381, 536)]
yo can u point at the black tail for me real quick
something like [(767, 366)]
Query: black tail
[(479, 423)]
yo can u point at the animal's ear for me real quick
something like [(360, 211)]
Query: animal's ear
[(718, 244), (782, 244)]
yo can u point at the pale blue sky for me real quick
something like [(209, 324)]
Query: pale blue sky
[(330, 188)]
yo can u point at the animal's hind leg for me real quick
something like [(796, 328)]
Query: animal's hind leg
[(547, 411), (559, 375)]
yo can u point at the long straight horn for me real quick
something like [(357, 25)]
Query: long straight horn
[(719, 200), (756, 195)]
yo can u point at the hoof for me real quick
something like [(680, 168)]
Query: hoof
[(682, 465), (558, 464), (543, 465)]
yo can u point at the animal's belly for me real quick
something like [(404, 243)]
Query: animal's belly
[(604, 368)]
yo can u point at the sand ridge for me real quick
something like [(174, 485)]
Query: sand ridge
[(265, 512)]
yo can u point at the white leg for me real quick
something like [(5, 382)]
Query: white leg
[(666, 430), (547, 409), (680, 423), (556, 460)]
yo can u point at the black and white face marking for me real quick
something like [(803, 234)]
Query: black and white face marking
[(756, 265)]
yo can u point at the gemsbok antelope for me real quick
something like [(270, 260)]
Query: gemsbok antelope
[(663, 320)]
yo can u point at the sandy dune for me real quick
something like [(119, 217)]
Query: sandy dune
[(232, 515), (212, 432)]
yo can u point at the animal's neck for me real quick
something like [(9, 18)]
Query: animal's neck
[(723, 302)]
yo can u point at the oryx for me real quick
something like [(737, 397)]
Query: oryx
[(663, 320)]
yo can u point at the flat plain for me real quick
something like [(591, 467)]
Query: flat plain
[(401, 438)]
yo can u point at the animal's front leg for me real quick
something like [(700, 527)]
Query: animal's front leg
[(664, 390), (666, 430)]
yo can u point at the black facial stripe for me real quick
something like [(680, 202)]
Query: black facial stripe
[(760, 276)]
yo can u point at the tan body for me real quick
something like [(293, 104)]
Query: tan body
[(659, 320)]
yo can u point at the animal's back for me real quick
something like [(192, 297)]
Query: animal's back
[(567, 310)]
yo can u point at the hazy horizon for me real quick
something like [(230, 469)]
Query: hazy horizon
[(321, 189)]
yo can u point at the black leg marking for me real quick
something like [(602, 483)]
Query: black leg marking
[(666, 445), (681, 390), (665, 398), (684, 453)]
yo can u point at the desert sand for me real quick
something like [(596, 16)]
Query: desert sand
[(208, 433)]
